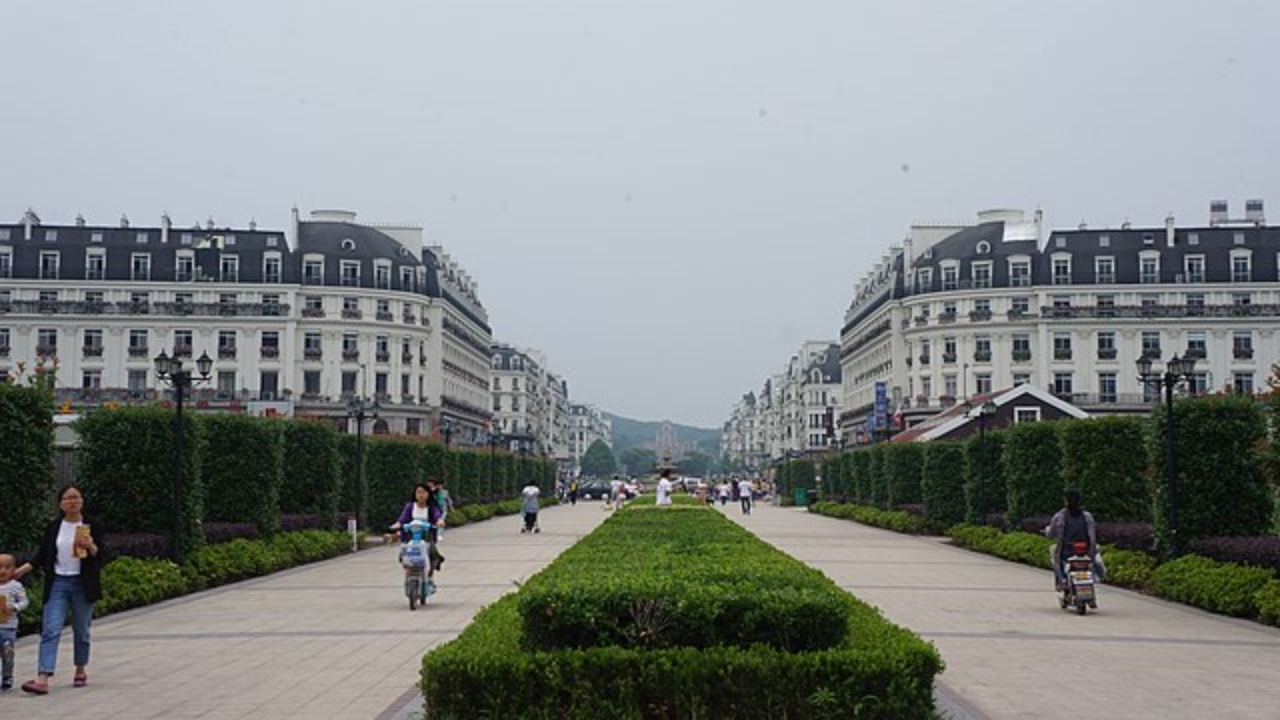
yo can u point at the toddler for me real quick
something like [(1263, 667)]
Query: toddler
[(13, 600)]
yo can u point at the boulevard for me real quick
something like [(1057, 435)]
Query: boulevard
[(336, 639)]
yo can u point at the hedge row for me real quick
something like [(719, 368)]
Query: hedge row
[(491, 670)]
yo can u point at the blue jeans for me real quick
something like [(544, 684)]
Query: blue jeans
[(67, 593)]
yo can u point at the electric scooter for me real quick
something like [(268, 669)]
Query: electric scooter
[(1079, 591), (414, 556)]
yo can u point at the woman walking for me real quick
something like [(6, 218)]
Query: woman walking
[(70, 558)]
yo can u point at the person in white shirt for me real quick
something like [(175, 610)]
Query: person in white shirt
[(664, 488), (530, 494), (744, 494)]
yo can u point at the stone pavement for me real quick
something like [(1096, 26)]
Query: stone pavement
[(334, 639), (1012, 653), (337, 640)]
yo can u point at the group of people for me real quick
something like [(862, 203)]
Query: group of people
[(741, 489), (70, 557)]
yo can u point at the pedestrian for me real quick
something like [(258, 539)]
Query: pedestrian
[(664, 487), (13, 600), (745, 491), (530, 495), (1068, 526), (70, 557), (617, 494), (573, 491)]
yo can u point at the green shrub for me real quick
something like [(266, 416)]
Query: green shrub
[(1032, 465), (1225, 588), (984, 485), (241, 463), (1267, 600), (311, 482), (942, 482), (904, 463), (26, 465), (878, 476), (1106, 459), (896, 520), (1129, 568), (129, 582)]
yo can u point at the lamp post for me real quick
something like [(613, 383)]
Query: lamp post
[(169, 370), (360, 409), (493, 447), (446, 429), (982, 413), (1175, 372)]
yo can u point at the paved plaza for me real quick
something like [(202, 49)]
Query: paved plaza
[(337, 640)]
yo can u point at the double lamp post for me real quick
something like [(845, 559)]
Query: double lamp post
[(170, 371), (1176, 371)]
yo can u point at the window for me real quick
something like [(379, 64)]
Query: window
[(1242, 383), (1020, 273), (1240, 268), (94, 297), (50, 235), (269, 384), (1107, 345), (1195, 300), (924, 280), (982, 348), (349, 273), (271, 339), (950, 277), (1242, 345), (93, 341), (185, 270), (137, 381), (983, 381), (6, 263), (95, 265), (948, 349), (1104, 270), (1240, 299), (184, 298), (226, 339), (981, 275), (1149, 270), (1026, 414), (1197, 346), (1062, 271), (982, 306), (380, 383), (229, 268), (1104, 240), (226, 383), (1061, 346), (948, 308), (182, 342), (1147, 300), (1107, 387), (313, 305), (1061, 302), (91, 380), (1193, 269), (1062, 386), (349, 382), (1021, 347), (140, 266), (141, 238), (949, 387), (138, 341), (46, 341), (1020, 305), (350, 342), (311, 382), (406, 279), (1193, 238), (1151, 343), (271, 270), (382, 277), (310, 343), (313, 272), (1021, 379), (1106, 306), (49, 261), (406, 386)]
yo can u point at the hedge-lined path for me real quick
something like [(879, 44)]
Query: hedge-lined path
[(334, 639), (1012, 654)]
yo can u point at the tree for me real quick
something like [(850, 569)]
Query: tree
[(695, 463), (638, 460), (598, 460)]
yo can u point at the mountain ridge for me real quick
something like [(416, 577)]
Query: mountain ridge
[(629, 433)]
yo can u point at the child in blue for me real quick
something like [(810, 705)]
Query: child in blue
[(13, 600)]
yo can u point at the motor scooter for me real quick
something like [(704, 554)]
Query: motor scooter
[(415, 553), (1079, 590)]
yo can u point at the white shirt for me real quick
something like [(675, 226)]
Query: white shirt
[(664, 492), (67, 563), (745, 489)]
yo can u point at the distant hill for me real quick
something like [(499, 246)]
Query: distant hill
[(628, 433)]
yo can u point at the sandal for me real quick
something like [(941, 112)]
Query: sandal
[(81, 680), (36, 687)]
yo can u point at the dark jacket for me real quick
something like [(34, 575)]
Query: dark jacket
[(90, 567)]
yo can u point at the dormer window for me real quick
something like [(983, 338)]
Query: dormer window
[(348, 245)]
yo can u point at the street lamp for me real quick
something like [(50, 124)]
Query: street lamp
[(493, 447), (985, 411), (360, 409), (169, 370), (1176, 371), (446, 429)]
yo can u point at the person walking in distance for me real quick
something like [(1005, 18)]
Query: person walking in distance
[(744, 495), (530, 495)]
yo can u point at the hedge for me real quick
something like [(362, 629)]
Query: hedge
[(242, 459), (312, 482), (1032, 465), (26, 465), (942, 482), (1106, 459), (984, 486)]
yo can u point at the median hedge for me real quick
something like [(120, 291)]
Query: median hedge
[(493, 669)]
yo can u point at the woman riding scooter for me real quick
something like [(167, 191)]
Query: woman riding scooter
[(1070, 525)]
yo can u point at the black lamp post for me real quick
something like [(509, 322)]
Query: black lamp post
[(446, 429), (985, 411), (360, 409), (493, 448), (1176, 371), (169, 370)]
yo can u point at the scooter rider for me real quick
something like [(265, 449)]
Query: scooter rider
[(1070, 525)]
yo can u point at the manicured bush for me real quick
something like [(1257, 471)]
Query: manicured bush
[(1032, 465), (1225, 588), (1105, 458), (126, 470), (1129, 568), (242, 458), (393, 466), (311, 483), (901, 521), (129, 582), (1221, 486), (860, 475), (942, 482), (1260, 551), (1267, 600), (904, 463), (984, 486), (878, 483), (26, 465)]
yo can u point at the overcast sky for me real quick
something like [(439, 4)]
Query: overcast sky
[(666, 197)]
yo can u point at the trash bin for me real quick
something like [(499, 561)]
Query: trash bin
[(802, 497)]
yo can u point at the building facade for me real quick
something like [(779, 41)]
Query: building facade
[(301, 322)]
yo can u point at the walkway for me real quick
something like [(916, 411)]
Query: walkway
[(336, 639), (1011, 653), (330, 640)]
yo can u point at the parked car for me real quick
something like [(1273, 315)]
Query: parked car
[(593, 490)]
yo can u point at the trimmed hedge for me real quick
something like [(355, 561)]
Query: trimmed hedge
[(879, 671), (1225, 588), (1032, 461), (241, 463), (985, 492), (1106, 459), (942, 482), (905, 465), (896, 520), (26, 465), (312, 480)]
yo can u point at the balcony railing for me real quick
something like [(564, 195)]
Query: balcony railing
[(352, 314), (982, 356), (924, 359), (1021, 355), (384, 317), (1197, 353), (227, 352), (1062, 353), (312, 312), (1107, 353), (948, 357), (45, 350), (1242, 353), (92, 350), (382, 356), (139, 351), (182, 351), (312, 353), (269, 352), (979, 315), (947, 317), (350, 355)]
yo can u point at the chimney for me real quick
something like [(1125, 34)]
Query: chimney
[(124, 220), (1218, 214), (1253, 212), (1168, 230), (253, 225), (29, 221), (165, 224), (79, 220)]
